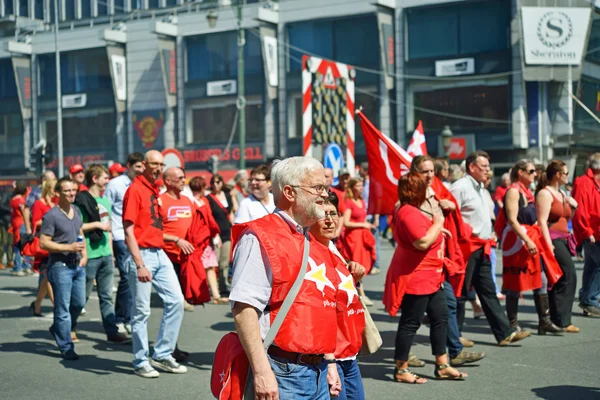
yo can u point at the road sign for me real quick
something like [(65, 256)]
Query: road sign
[(333, 158)]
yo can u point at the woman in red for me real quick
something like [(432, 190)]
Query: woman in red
[(555, 209), (414, 280), (39, 209), (523, 249), (17, 204)]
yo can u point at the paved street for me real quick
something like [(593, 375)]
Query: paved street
[(549, 368)]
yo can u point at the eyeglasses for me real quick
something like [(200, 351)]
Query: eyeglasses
[(529, 171), (565, 173), (257, 180), (156, 164), (317, 188), (332, 215)]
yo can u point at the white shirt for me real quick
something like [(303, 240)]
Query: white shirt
[(252, 276), (251, 209), (115, 192), (473, 205)]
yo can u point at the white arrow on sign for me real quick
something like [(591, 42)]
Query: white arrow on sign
[(336, 163)]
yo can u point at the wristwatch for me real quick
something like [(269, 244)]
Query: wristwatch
[(139, 266)]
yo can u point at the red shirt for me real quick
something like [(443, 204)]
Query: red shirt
[(500, 193), (586, 221), (341, 199), (411, 225), (141, 206), (359, 213), (176, 218), (38, 211), (16, 216)]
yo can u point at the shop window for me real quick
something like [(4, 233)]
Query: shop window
[(86, 9), (102, 7), (24, 8), (84, 133), (588, 93), (489, 102), (153, 3), (69, 8), (8, 86), (38, 6), (8, 8), (11, 134), (171, 3), (593, 47), (457, 29), (119, 6), (213, 124), (214, 56)]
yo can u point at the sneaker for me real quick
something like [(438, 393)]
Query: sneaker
[(83, 312), (375, 271), (18, 273), (465, 357), (590, 311), (28, 271), (118, 338), (70, 355), (147, 372), (466, 342), (187, 307), (168, 365), (515, 337)]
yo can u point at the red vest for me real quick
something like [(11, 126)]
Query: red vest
[(309, 326), (350, 315)]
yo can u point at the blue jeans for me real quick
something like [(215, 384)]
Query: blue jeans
[(68, 284), (352, 385), (453, 334), (19, 260), (590, 287), (300, 381), (167, 286), (102, 270), (124, 299), (493, 260)]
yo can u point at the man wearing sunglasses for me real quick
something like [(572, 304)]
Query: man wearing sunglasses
[(260, 202)]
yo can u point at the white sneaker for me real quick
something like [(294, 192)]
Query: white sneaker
[(147, 372), (115, 289), (128, 328), (169, 365), (83, 312)]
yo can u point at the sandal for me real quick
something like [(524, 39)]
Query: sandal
[(461, 375), (417, 380), (220, 300)]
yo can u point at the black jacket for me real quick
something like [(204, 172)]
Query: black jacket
[(89, 208), (5, 198)]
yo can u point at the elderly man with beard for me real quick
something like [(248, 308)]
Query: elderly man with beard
[(267, 260), (151, 267)]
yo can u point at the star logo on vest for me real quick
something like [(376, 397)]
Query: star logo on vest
[(318, 276), (222, 376), (347, 285)]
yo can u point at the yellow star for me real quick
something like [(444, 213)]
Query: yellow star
[(347, 285), (318, 276)]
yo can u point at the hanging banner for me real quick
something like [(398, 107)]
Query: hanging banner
[(270, 59), (22, 72), (149, 128), (118, 73), (168, 63)]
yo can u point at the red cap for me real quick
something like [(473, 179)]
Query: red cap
[(76, 168), (117, 168)]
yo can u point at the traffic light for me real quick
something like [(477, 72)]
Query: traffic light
[(213, 164), (37, 158)]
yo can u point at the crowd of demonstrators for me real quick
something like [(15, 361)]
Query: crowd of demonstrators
[(17, 215), (363, 173), (259, 201), (6, 236)]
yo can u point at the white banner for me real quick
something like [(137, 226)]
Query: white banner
[(554, 35), (270, 49), (120, 76)]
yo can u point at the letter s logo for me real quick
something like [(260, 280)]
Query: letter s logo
[(554, 28)]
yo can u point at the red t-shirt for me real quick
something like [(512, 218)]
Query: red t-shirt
[(500, 193), (141, 206), (359, 213), (16, 216), (38, 211), (411, 225), (341, 199), (176, 217)]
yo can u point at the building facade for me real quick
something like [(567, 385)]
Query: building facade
[(142, 74)]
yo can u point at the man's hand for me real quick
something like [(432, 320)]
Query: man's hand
[(104, 226), (265, 386), (334, 381), (83, 262), (447, 233), (447, 205), (357, 270), (144, 275), (77, 247), (185, 246)]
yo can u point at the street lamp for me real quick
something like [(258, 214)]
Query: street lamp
[(446, 139), (59, 130)]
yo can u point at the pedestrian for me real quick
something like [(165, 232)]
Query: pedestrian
[(468, 193), (328, 176), (501, 190), (295, 366), (17, 206), (151, 267), (62, 236), (350, 312), (442, 171), (260, 201), (210, 240), (95, 212), (240, 190), (35, 194), (363, 172), (555, 209), (493, 257), (586, 225), (414, 283), (115, 192), (6, 238), (115, 170), (222, 206), (40, 208)]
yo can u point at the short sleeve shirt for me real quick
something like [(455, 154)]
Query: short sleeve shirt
[(62, 230), (252, 209), (176, 217), (141, 206), (101, 248)]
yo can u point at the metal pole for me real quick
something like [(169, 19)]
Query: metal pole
[(59, 131), (241, 100)]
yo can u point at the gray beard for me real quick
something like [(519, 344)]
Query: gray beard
[(310, 209)]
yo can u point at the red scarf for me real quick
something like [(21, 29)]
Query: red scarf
[(525, 191)]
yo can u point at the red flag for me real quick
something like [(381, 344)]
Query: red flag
[(417, 146), (387, 162)]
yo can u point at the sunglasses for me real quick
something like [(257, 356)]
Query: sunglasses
[(529, 171), (565, 173)]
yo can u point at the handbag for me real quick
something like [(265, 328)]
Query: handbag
[(371, 338), (231, 374)]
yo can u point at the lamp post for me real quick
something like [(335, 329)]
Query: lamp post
[(59, 131), (446, 139), (241, 100)]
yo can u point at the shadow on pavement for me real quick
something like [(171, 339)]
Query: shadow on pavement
[(223, 326), (98, 366), (566, 392), (201, 361), (21, 312)]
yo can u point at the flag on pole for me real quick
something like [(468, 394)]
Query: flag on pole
[(387, 163), (417, 146)]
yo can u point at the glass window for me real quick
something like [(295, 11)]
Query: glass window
[(432, 32), (86, 9), (24, 8), (153, 3), (593, 47), (214, 56), (8, 86), (99, 132), (119, 6), (69, 10), (214, 124), (8, 8), (493, 18), (81, 71), (356, 41), (137, 4), (171, 3), (313, 37), (102, 7), (588, 94), (38, 6), (491, 102), (11, 134)]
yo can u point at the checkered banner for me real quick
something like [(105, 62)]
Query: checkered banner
[(328, 106)]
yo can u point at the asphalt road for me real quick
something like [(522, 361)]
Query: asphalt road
[(542, 367)]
